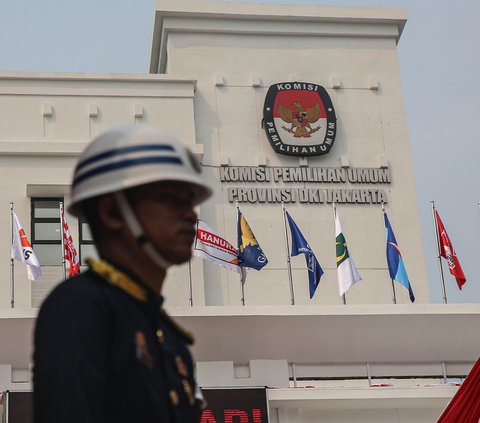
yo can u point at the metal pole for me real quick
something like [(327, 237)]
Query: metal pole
[(294, 375), (190, 286), (394, 294), (287, 250), (6, 405), (369, 374), (437, 238), (12, 264), (62, 236), (393, 282), (243, 291), (243, 273), (190, 281), (444, 371)]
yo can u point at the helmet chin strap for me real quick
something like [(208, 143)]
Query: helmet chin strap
[(137, 231)]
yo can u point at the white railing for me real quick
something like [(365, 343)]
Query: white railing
[(379, 370)]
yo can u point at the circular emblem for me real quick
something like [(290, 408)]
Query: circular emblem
[(299, 119)]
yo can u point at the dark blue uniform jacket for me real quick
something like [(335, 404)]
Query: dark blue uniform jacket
[(106, 352)]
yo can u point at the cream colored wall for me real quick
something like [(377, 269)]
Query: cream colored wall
[(371, 131), (45, 122)]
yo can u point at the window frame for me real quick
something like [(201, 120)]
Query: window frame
[(34, 220), (81, 241)]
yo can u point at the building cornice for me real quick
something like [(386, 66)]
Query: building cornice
[(261, 19)]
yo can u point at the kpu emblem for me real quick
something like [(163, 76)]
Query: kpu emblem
[(299, 119)]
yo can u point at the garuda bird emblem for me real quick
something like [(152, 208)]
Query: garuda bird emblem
[(300, 119)]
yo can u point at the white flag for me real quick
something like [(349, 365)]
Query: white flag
[(211, 246), (22, 250), (346, 270)]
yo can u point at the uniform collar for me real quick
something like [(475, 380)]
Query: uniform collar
[(124, 279), (132, 285)]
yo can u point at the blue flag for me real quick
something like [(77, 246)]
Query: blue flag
[(300, 246), (396, 267), (249, 252)]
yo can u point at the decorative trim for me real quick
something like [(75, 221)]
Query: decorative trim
[(117, 278)]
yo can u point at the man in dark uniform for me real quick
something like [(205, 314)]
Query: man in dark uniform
[(105, 350)]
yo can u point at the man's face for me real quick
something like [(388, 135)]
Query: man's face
[(165, 212)]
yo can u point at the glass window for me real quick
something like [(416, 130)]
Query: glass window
[(46, 230), (87, 251), (49, 255), (87, 247), (85, 231), (47, 208)]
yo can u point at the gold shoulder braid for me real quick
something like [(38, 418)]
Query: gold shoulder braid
[(117, 278)]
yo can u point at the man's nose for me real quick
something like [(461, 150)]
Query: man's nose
[(190, 214)]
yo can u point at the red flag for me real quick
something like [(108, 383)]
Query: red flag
[(70, 253), (465, 406), (447, 252)]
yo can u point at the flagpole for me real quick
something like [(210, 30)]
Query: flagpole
[(344, 298), (242, 284), (242, 270), (289, 264), (190, 278), (393, 283), (12, 264), (62, 234), (442, 278), (190, 287)]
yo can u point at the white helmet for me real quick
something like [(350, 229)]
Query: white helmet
[(132, 155)]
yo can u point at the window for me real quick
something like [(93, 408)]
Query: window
[(87, 248), (46, 230)]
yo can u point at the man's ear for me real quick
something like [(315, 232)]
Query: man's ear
[(109, 213)]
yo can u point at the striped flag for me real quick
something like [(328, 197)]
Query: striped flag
[(396, 267), (22, 250), (69, 253)]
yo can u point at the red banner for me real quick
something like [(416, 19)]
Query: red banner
[(465, 405), (447, 251)]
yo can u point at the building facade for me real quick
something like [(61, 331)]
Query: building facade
[(212, 66)]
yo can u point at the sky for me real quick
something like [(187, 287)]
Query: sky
[(439, 66)]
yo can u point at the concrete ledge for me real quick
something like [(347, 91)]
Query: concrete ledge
[(42, 148), (387, 336), (370, 398), (430, 333), (256, 373)]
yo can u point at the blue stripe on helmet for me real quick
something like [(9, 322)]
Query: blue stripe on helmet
[(126, 163), (124, 150)]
